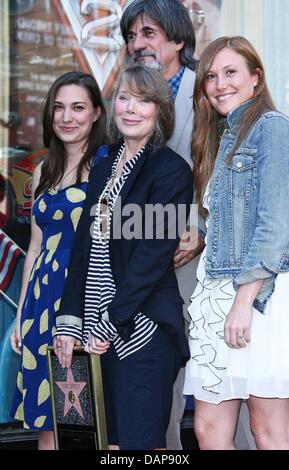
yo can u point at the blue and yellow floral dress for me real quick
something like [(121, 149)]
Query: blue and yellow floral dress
[(57, 214)]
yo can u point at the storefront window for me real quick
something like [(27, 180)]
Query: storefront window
[(40, 40)]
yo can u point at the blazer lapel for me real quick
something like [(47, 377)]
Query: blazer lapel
[(183, 107)]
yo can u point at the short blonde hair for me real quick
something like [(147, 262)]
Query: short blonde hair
[(151, 85)]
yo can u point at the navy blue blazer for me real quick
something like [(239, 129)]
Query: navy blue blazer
[(142, 268)]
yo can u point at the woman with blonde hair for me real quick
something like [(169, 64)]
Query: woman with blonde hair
[(239, 309), (121, 296)]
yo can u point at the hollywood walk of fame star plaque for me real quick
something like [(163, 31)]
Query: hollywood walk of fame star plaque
[(77, 402)]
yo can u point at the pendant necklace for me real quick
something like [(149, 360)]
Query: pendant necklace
[(103, 211), (59, 186), (104, 198)]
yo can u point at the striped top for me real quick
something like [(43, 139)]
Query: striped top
[(100, 287)]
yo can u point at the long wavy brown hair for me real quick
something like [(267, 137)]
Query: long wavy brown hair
[(205, 136), (54, 166)]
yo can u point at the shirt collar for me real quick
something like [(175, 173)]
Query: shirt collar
[(175, 81), (234, 116)]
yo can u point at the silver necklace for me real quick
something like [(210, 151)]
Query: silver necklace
[(104, 198), (59, 186), (103, 206), (103, 210)]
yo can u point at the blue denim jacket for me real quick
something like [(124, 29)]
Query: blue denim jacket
[(248, 233)]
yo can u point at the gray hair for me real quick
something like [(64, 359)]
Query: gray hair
[(151, 85), (173, 19)]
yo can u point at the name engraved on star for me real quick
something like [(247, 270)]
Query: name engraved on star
[(71, 390)]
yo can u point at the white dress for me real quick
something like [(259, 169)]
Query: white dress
[(216, 372)]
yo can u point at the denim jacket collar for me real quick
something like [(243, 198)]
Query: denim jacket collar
[(234, 116)]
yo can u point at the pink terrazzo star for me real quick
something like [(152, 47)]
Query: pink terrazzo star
[(71, 390)]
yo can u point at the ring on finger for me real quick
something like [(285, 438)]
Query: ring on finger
[(241, 341)]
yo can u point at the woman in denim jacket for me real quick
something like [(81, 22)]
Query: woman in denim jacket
[(239, 337)]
